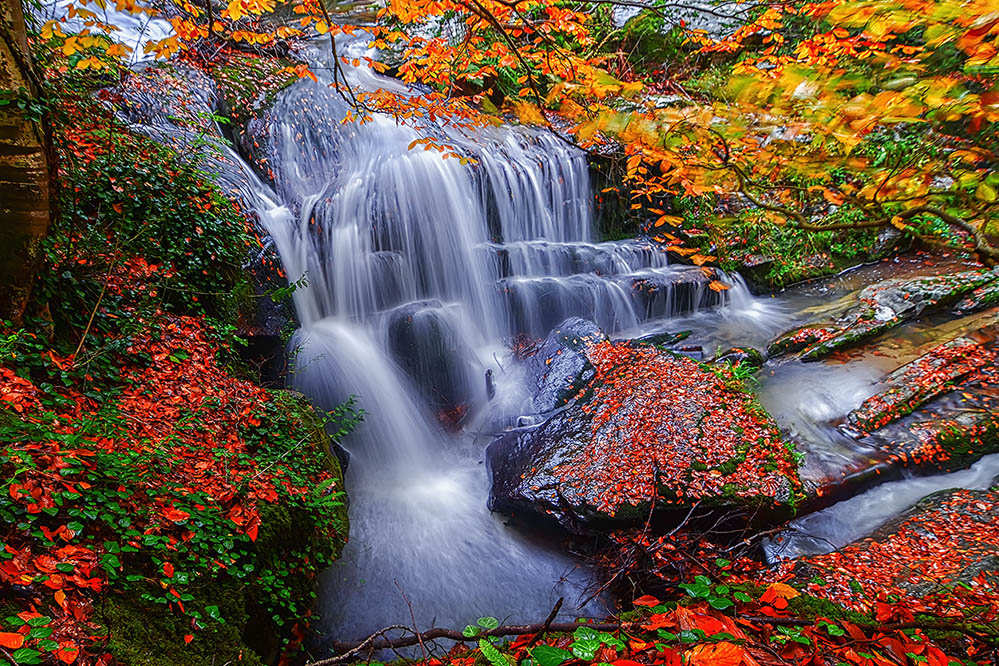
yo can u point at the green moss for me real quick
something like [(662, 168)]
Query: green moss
[(296, 540), (145, 634), (249, 83)]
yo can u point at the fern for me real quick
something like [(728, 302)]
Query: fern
[(494, 656)]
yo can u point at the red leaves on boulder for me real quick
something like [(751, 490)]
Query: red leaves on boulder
[(663, 427)]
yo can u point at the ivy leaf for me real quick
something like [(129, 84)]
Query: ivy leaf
[(547, 655)]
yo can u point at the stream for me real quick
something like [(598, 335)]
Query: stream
[(420, 273)]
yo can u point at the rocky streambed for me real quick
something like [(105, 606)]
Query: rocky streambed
[(881, 381)]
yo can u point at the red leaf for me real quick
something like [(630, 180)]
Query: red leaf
[(168, 570), (67, 652), (188, 638), (12, 641), (647, 600), (176, 515)]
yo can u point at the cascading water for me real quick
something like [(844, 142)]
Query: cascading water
[(416, 268)]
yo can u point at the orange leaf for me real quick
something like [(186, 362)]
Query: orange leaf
[(647, 600), (778, 591), (719, 654), (60, 598), (715, 285), (12, 641), (67, 652)]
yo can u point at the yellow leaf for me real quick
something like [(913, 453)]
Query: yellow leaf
[(528, 114), (985, 192), (235, 10), (672, 219)]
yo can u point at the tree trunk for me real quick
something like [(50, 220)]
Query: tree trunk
[(24, 168)]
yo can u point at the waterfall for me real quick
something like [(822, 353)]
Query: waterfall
[(417, 267), (417, 272)]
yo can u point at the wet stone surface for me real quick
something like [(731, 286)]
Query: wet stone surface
[(879, 308), (949, 537), (648, 427)]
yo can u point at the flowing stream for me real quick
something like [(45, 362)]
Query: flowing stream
[(417, 275), (419, 270)]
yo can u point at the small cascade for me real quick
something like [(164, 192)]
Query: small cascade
[(507, 236), (417, 267), (415, 270)]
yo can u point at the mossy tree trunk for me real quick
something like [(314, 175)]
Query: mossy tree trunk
[(24, 167)]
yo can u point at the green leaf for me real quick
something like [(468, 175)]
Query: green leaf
[(470, 631), (546, 655), (720, 603), (27, 656), (487, 622), (494, 656)]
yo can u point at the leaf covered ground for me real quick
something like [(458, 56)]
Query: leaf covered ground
[(156, 505)]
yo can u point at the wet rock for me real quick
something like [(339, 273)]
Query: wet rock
[(648, 427), (755, 269), (741, 356), (880, 307), (925, 378), (423, 341), (950, 537), (946, 434), (678, 293), (560, 366), (665, 339), (986, 296), (800, 339)]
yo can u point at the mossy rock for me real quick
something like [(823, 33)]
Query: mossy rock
[(290, 548)]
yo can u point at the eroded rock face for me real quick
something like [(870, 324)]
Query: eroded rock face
[(880, 307), (949, 537), (560, 367), (647, 427)]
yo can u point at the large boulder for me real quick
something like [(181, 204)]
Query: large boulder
[(923, 557), (560, 367), (425, 343), (880, 307), (649, 429)]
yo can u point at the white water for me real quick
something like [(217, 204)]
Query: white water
[(846, 521), (410, 257), (417, 269)]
